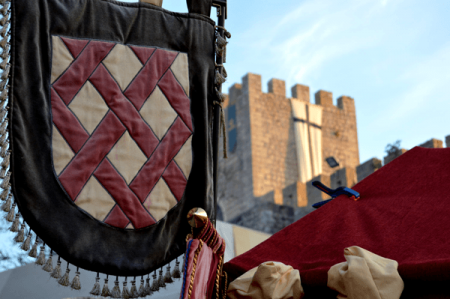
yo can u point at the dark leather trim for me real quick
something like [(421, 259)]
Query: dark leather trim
[(45, 206)]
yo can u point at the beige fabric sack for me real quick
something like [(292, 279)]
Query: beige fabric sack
[(268, 280), (365, 275)]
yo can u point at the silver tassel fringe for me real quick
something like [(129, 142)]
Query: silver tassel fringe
[(10, 216), (57, 271), (3, 84), (4, 93), (26, 245), (64, 281), (4, 9), (161, 283), (96, 291), (6, 207), (4, 31), (20, 235), (5, 54), (48, 267), (176, 270), (133, 291), (5, 183), (41, 258), (168, 277), (15, 226), (3, 152), (155, 284), (219, 79), (125, 292), (148, 289), (4, 41), (221, 42), (105, 290), (76, 284), (3, 131), (5, 73), (115, 293), (4, 193), (33, 251), (2, 172), (142, 288)]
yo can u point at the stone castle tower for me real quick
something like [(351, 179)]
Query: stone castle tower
[(261, 177)]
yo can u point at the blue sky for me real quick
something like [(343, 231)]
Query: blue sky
[(391, 56)]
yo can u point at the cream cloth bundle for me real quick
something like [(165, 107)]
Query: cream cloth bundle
[(268, 280), (365, 275)]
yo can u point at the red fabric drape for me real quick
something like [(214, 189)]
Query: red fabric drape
[(403, 214)]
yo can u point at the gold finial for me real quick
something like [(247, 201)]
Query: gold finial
[(197, 217)]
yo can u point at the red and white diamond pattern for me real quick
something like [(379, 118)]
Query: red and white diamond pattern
[(122, 128)]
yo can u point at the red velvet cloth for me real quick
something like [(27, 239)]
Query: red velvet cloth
[(403, 214)]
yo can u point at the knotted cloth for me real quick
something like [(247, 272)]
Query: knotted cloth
[(271, 280), (365, 275)]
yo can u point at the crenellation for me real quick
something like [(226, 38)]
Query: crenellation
[(300, 92), (251, 83), (324, 98), (346, 103), (277, 87), (433, 143)]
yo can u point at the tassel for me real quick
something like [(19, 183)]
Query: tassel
[(105, 290), (148, 289), (3, 82), (3, 137), (133, 291), (3, 113), (2, 173), (96, 289), (115, 293), (155, 284), (26, 245), (168, 277), (10, 216), (219, 79), (57, 271), (176, 270), (221, 42), (41, 258), (48, 267), (219, 95), (4, 31), (76, 284), (4, 193), (4, 9), (21, 235), (3, 131), (125, 292), (5, 73), (142, 289), (6, 207), (5, 183), (3, 152), (64, 281), (4, 21), (5, 54), (161, 283), (15, 226), (33, 251), (4, 41)]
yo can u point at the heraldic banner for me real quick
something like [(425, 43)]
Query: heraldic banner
[(110, 124)]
